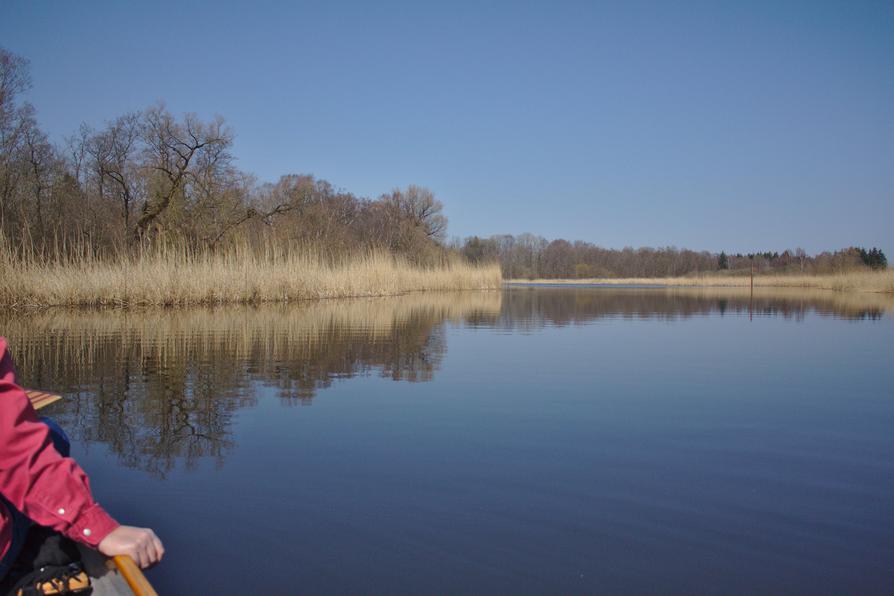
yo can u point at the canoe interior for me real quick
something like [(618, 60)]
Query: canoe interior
[(41, 399), (106, 579)]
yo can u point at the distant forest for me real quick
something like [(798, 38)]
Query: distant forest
[(529, 256), (150, 177)]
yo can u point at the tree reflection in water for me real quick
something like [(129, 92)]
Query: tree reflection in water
[(162, 386), (531, 308)]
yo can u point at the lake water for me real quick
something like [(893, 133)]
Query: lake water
[(549, 440)]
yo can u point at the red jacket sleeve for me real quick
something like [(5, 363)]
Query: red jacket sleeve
[(50, 489)]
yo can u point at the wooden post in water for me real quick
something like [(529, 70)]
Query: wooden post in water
[(751, 296)]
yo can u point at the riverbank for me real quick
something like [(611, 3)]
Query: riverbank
[(240, 277), (868, 281)]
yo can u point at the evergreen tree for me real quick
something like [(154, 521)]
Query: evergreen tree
[(864, 256), (723, 261), (874, 258)]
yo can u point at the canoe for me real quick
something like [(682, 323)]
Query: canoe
[(116, 576), (109, 576), (41, 399)]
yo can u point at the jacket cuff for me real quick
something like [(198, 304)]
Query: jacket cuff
[(92, 526)]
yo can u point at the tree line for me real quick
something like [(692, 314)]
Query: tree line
[(530, 256), (149, 177)]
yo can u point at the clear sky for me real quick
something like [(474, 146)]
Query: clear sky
[(710, 125)]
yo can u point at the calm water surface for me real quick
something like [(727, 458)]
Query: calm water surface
[(546, 440)]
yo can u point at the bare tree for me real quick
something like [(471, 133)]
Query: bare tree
[(14, 118), (113, 152), (39, 156), (171, 148), (14, 80), (419, 206)]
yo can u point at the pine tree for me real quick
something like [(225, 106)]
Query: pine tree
[(874, 258), (723, 261), (877, 259), (864, 256)]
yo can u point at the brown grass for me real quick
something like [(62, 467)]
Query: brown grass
[(178, 278), (858, 281)]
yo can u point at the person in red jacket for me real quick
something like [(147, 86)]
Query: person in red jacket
[(39, 485)]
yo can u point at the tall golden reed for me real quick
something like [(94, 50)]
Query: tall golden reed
[(175, 276)]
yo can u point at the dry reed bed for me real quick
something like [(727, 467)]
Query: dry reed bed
[(178, 279), (868, 281)]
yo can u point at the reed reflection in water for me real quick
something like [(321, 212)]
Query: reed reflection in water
[(533, 307), (160, 386)]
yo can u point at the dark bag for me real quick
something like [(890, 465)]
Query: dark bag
[(48, 564)]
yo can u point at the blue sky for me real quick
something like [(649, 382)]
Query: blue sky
[(710, 125)]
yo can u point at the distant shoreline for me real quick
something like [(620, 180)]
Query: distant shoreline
[(882, 281)]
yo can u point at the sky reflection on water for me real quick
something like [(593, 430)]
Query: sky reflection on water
[(537, 440)]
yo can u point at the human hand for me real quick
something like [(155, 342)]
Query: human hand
[(141, 544)]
